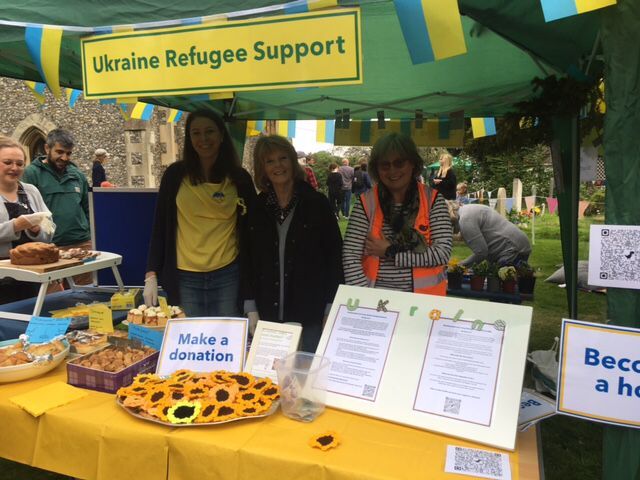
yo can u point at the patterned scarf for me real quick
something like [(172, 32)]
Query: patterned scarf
[(402, 220)]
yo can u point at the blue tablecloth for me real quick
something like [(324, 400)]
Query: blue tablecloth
[(55, 301)]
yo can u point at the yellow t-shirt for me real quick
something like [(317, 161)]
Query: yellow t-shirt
[(207, 238)]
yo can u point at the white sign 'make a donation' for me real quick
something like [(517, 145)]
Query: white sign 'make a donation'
[(203, 345), (599, 376)]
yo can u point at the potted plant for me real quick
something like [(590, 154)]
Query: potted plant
[(455, 271), (526, 277), (493, 281), (508, 277), (480, 271)]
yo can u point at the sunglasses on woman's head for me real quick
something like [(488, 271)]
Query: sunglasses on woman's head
[(397, 163)]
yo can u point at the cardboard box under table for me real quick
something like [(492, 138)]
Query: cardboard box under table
[(103, 381), (94, 438)]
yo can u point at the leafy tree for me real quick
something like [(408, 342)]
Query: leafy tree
[(321, 167)]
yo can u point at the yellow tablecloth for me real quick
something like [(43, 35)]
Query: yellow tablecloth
[(94, 438)]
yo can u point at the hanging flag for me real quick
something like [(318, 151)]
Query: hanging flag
[(142, 111), (174, 115), (430, 134), (286, 128), (493, 202), (432, 29), (125, 110), (72, 96), (43, 44), (556, 9), (508, 204), (303, 6), (38, 89), (325, 131), (530, 201), (582, 206), (553, 204), (483, 127)]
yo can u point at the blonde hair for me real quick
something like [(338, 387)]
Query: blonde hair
[(448, 162), (7, 142), (454, 214), (267, 145)]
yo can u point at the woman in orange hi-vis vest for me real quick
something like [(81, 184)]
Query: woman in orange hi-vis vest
[(399, 234)]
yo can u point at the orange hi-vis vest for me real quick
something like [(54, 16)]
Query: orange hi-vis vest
[(431, 280)]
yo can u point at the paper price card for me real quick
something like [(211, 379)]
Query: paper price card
[(203, 345), (599, 377), (43, 329), (100, 318), (148, 337), (164, 306)]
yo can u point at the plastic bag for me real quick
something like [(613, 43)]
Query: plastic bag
[(545, 368)]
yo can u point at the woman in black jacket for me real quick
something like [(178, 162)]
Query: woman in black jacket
[(445, 180), (294, 245), (200, 223)]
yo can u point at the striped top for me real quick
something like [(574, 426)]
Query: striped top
[(396, 273)]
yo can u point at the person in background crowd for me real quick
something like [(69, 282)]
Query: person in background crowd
[(489, 235), (445, 180), (361, 180), (462, 193), (347, 173), (22, 210), (310, 176), (200, 223), (66, 192), (98, 174), (399, 235), (294, 245), (334, 187)]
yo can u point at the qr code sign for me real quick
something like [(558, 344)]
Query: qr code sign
[(478, 463), (452, 405), (620, 255), (369, 391)]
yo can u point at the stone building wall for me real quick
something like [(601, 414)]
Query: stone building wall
[(93, 125)]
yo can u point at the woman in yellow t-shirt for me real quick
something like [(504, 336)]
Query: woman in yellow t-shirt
[(200, 223)]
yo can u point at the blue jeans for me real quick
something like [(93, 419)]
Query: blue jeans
[(210, 294), (346, 202)]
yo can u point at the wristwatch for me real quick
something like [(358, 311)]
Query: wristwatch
[(391, 251)]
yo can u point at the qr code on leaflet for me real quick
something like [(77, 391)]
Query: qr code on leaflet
[(368, 391), (452, 405), (620, 254), (482, 462)]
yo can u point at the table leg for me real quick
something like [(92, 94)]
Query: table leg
[(40, 300), (116, 275)]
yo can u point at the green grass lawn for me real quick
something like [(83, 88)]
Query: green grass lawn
[(571, 448)]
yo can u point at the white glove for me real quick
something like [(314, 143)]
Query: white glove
[(42, 219), (253, 321), (150, 293)]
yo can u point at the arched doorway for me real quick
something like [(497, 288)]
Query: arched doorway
[(33, 140)]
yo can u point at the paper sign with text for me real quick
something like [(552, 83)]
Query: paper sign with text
[(313, 49), (150, 338), (534, 407), (203, 345), (599, 375), (43, 329), (271, 341), (100, 318), (614, 256)]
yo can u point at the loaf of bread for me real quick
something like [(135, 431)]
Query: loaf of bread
[(34, 253)]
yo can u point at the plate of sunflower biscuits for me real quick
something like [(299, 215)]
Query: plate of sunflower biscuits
[(188, 398)]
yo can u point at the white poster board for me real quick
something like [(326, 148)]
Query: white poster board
[(599, 375), (614, 256), (203, 345), (390, 360), (271, 341)]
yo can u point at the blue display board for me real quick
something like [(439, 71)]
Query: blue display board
[(122, 219)]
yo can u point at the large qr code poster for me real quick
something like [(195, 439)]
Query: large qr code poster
[(614, 256)]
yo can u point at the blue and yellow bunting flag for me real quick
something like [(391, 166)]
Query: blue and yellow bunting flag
[(303, 6), (432, 29), (72, 96), (483, 127), (255, 127), (556, 9), (286, 128), (142, 111), (325, 131), (43, 44), (174, 115), (430, 134), (38, 90)]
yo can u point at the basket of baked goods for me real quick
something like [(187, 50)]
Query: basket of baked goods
[(20, 359), (112, 366), (82, 342), (187, 398)]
